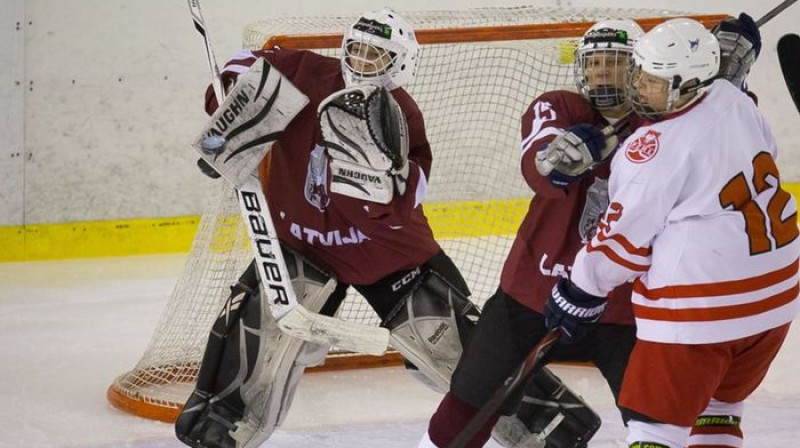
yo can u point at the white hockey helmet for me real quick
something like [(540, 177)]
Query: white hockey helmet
[(380, 49), (682, 54), (614, 38)]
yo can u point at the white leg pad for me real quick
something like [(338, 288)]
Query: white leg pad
[(282, 360), (426, 329)]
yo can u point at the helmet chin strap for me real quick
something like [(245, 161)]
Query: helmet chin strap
[(697, 88), (606, 97)]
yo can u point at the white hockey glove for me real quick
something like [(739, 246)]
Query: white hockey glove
[(571, 154), (740, 43), (366, 137), (242, 130)]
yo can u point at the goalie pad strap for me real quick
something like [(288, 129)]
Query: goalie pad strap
[(360, 182)]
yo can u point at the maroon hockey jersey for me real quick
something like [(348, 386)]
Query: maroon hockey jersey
[(559, 220), (358, 241)]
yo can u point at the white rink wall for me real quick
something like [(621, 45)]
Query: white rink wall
[(101, 98)]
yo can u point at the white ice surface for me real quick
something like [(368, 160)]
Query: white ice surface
[(68, 328)]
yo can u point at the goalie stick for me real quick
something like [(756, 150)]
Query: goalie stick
[(529, 366), (789, 57), (291, 317)]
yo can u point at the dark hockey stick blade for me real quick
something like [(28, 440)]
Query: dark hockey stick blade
[(529, 365), (789, 57)]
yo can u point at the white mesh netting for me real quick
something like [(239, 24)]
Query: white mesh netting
[(472, 96)]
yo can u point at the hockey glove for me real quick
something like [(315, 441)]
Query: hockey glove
[(568, 157), (572, 310), (740, 44), (366, 137)]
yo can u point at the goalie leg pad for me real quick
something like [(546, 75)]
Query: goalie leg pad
[(257, 370), (428, 327), (549, 416), (208, 414)]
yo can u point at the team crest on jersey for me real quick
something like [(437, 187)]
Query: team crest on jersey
[(316, 191), (643, 148)]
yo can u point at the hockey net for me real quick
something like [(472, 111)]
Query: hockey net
[(479, 70)]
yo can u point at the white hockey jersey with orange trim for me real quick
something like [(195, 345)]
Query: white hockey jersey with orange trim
[(698, 218)]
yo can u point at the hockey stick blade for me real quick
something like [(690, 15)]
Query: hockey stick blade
[(529, 365), (346, 335), (789, 57)]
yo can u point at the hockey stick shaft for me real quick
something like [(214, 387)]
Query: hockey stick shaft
[(774, 12), (789, 58), (200, 26), (529, 366), (270, 264), (292, 318)]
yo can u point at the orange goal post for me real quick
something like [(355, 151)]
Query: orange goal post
[(479, 69)]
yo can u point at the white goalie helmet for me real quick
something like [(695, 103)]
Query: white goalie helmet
[(380, 49), (682, 56), (602, 59)]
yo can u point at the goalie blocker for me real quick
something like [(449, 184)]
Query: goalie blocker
[(254, 115)]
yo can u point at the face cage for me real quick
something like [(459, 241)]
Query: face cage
[(678, 97), (611, 93), (632, 90), (374, 69)]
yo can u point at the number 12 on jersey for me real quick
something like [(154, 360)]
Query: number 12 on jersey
[(737, 194)]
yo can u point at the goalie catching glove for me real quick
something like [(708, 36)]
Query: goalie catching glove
[(571, 154), (366, 137)]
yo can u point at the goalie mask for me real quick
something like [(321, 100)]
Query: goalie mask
[(602, 59), (673, 64), (380, 49)]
